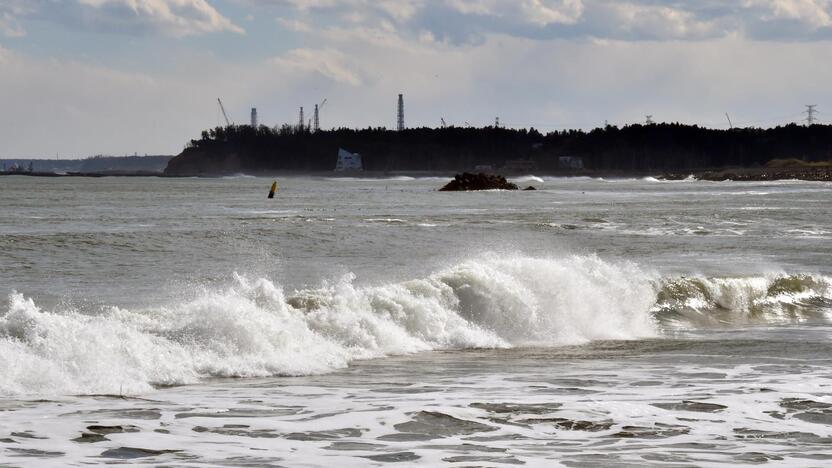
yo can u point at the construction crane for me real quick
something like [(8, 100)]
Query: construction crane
[(443, 122), (228, 122)]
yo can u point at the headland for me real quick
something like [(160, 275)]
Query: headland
[(671, 150)]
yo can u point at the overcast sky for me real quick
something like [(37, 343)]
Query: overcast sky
[(83, 77)]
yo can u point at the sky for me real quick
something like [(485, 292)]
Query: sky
[(86, 77)]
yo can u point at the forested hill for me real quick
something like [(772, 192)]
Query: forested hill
[(642, 148)]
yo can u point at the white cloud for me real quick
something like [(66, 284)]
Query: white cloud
[(295, 25), (10, 11), (536, 12), (462, 21), (175, 18), (327, 62), (544, 13), (812, 13), (9, 26), (647, 21)]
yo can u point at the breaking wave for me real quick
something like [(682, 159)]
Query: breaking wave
[(255, 328), (768, 299), (527, 178)]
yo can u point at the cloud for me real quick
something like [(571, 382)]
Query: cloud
[(470, 21), (10, 11), (789, 19), (329, 63), (177, 18), (9, 26)]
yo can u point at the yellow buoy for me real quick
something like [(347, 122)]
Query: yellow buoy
[(273, 190)]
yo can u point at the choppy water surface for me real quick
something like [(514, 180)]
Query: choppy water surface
[(369, 322)]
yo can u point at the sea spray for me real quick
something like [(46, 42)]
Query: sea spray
[(253, 328)]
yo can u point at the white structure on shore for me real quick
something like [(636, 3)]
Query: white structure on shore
[(348, 161)]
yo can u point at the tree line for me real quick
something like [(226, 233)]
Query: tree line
[(654, 147)]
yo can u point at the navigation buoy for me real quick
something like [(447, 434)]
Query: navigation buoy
[(273, 189)]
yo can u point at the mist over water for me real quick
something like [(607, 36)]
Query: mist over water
[(129, 286)]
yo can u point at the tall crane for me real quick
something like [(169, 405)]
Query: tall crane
[(228, 122)]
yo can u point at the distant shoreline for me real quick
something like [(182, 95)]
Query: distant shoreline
[(737, 174), (85, 174)]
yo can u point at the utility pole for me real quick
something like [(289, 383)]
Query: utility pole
[(810, 113)]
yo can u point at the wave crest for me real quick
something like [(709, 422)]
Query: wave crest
[(775, 298), (254, 328)]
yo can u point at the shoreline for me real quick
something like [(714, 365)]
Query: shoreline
[(738, 174)]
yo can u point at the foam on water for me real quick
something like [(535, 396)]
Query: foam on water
[(528, 178), (253, 328)]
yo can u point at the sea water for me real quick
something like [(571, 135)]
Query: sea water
[(367, 322)]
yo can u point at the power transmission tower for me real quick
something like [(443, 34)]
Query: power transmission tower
[(649, 120), (301, 123), (810, 113), (400, 120), (496, 122)]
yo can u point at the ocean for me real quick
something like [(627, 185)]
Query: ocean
[(374, 322)]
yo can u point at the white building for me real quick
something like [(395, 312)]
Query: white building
[(348, 161)]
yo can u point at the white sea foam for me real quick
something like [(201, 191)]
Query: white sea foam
[(253, 328), (528, 178), (386, 179)]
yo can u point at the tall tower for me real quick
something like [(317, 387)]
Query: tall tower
[(400, 125), (301, 123), (810, 113), (254, 117), (316, 124)]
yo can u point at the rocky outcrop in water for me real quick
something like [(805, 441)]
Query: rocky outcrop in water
[(468, 181)]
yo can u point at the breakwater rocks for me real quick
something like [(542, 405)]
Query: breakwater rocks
[(468, 181), (756, 175)]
